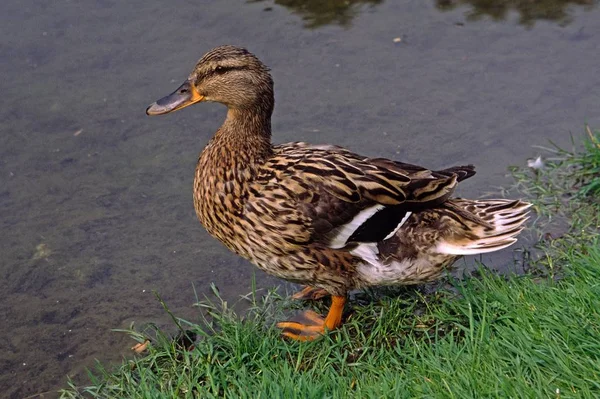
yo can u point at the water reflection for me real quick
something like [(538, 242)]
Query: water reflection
[(316, 13), (529, 11)]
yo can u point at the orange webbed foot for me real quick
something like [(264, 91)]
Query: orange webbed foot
[(305, 326), (308, 325), (309, 293)]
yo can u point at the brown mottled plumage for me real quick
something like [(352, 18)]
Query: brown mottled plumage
[(321, 215)]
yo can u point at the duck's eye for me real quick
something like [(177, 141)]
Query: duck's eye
[(220, 70)]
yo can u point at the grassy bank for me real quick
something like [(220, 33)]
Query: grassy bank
[(536, 335)]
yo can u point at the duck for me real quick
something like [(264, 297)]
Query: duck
[(321, 215)]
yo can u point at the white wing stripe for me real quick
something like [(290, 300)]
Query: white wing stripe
[(339, 241), (404, 219)]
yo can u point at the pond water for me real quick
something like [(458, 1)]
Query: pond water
[(95, 198)]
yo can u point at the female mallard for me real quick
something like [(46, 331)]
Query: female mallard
[(321, 215)]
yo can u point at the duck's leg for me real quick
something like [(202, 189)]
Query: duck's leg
[(308, 325), (310, 293)]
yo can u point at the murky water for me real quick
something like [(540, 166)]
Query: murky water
[(95, 198)]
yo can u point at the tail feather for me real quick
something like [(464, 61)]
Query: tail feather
[(486, 225), (462, 172)]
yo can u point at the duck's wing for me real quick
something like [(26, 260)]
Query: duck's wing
[(331, 196)]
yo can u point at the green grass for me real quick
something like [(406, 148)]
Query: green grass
[(567, 187), (532, 336)]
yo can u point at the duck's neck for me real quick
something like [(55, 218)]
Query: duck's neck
[(246, 136)]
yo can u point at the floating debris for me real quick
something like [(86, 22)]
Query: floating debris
[(77, 133), (41, 252), (141, 347), (536, 164)]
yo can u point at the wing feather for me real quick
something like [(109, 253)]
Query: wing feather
[(342, 197)]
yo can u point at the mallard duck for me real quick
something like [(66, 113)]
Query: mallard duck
[(321, 215)]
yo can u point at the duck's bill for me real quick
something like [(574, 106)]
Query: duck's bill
[(185, 95)]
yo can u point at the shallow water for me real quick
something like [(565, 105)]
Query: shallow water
[(95, 198)]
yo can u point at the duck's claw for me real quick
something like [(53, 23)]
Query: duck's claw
[(309, 293), (305, 326), (308, 325)]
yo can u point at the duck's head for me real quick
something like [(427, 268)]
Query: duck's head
[(227, 74)]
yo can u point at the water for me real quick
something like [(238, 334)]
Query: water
[(95, 198)]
